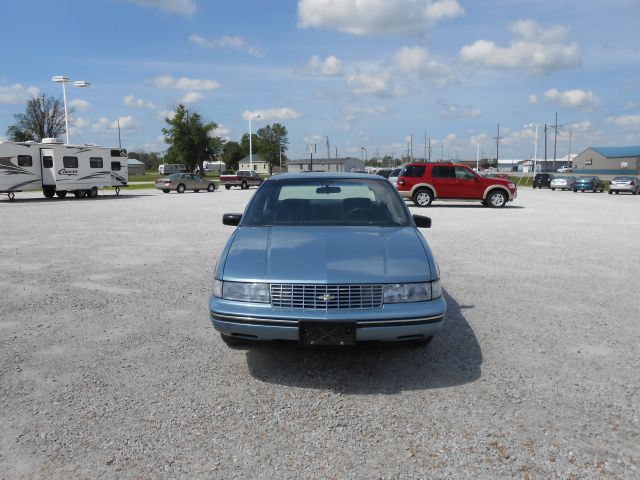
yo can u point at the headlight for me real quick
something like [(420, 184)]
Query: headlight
[(511, 185), (217, 288), (246, 292), (412, 292)]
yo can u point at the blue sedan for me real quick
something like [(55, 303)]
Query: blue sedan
[(327, 259)]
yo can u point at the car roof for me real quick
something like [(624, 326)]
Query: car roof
[(326, 175)]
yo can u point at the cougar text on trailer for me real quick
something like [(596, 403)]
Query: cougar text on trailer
[(60, 169)]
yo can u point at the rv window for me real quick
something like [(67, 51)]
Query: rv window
[(95, 162), (47, 162), (25, 161), (116, 153), (70, 162), (115, 166)]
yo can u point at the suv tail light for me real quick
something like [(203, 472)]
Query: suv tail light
[(400, 182)]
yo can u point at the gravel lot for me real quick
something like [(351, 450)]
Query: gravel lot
[(109, 366)]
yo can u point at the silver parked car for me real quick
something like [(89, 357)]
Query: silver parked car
[(327, 259), (184, 181), (563, 183), (624, 184), (393, 176)]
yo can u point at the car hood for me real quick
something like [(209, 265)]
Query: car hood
[(327, 255)]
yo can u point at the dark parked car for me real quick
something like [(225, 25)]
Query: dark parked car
[(588, 183), (384, 173), (542, 180)]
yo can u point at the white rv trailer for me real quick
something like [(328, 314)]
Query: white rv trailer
[(59, 169)]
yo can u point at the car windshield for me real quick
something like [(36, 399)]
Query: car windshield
[(622, 179), (327, 202)]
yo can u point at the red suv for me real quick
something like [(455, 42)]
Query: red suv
[(425, 182)]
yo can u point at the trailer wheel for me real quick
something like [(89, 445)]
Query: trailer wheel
[(11, 195), (61, 193), (92, 192), (80, 193), (49, 192), (181, 188)]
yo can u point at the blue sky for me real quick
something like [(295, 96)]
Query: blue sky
[(365, 73)]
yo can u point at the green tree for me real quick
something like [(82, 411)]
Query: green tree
[(244, 144), (191, 141), (43, 118), (232, 154), (272, 143)]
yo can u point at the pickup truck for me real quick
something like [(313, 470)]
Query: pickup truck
[(242, 178)]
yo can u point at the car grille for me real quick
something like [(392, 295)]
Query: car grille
[(326, 297)]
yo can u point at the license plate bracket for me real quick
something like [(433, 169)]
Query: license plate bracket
[(327, 333)]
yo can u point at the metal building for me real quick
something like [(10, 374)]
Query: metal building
[(608, 161)]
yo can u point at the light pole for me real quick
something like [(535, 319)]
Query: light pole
[(64, 80), (477, 140), (250, 145), (364, 149), (535, 146)]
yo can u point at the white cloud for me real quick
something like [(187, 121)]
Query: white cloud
[(452, 112), (272, 114), (235, 42), (378, 82), (572, 98), (184, 83), (374, 17), (80, 104), (532, 48), (17, 93), (105, 125), (191, 97), (533, 99), (181, 7), (131, 101), (583, 126), (81, 123), (166, 114), (418, 60), (625, 121), (351, 113), (329, 67)]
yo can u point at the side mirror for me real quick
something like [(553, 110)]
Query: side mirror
[(232, 219), (422, 221)]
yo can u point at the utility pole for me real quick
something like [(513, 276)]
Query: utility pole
[(311, 152), (425, 146), (555, 140), (328, 152), (429, 149), (545, 148), (336, 153), (569, 154), (411, 149), (442, 152), (497, 139), (119, 138)]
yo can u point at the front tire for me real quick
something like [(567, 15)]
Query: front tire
[(244, 185), (228, 187), (423, 197), (181, 188), (497, 199)]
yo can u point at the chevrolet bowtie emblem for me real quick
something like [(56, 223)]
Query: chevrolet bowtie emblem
[(326, 297)]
